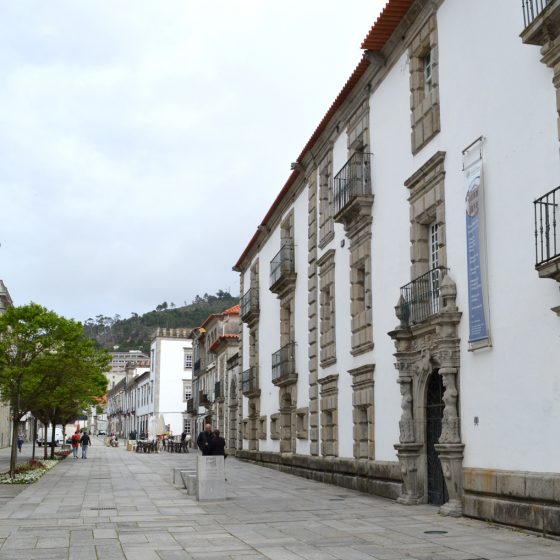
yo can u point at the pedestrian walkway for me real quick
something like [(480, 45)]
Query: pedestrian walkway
[(122, 505)]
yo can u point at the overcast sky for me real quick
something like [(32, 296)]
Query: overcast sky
[(141, 142)]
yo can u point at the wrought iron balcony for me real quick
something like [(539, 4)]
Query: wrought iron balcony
[(421, 297), (547, 234), (541, 19), (250, 305), (250, 382), (282, 269), (284, 365), (218, 393), (203, 399), (352, 182), (190, 405)]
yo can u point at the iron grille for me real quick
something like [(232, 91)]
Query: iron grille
[(283, 362), (282, 263), (421, 296), (547, 232), (532, 9), (249, 302), (353, 180), (196, 367), (250, 380), (218, 390)]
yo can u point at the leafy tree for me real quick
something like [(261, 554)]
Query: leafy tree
[(36, 345)]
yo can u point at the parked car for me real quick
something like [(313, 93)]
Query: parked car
[(101, 433)]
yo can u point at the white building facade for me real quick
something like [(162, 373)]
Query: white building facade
[(397, 338), (171, 376)]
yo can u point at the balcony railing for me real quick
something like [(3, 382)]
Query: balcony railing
[(532, 9), (284, 364), (203, 399), (218, 394), (190, 405), (250, 304), (353, 180), (421, 297), (282, 265), (250, 381), (547, 227)]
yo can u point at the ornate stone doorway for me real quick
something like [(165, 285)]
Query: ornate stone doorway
[(437, 492)]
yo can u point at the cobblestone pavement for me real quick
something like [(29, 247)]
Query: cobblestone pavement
[(122, 505)]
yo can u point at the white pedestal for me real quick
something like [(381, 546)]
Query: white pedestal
[(211, 478)]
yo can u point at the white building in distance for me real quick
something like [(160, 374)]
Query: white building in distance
[(171, 376)]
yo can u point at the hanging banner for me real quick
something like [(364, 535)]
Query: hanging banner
[(474, 205)]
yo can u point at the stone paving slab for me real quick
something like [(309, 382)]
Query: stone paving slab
[(119, 505)]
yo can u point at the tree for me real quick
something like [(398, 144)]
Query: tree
[(35, 345), (73, 380)]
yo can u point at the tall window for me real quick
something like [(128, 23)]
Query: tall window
[(428, 64), (188, 360)]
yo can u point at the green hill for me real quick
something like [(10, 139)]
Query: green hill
[(135, 332)]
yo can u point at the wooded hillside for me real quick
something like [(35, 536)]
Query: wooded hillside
[(134, 332)]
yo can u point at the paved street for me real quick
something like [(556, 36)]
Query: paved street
[(118, 505)]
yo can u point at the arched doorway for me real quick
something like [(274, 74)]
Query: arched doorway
[(437, 492)]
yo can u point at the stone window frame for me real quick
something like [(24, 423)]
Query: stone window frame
[(246, 434), (363, 401), (357, 129), (326, 220), (361, 295), (327, 325), (302, 423), (424, 105), (329, 415), (261, 428), (427, 207), (275, 426), (187, 384)]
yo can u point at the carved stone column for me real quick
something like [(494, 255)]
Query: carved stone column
[(409, 454), (451, 457)]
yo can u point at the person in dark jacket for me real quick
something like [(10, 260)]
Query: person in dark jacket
[(217, 445), (204, 438), (86, 442)]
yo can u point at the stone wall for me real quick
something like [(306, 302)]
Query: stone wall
[(382, 478), (524, 499)]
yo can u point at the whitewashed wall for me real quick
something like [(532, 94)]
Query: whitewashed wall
[(171, 371)]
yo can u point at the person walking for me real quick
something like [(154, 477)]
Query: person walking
[(86, 442), (75, 442), (19, 442), (204, 438), (184, 442)]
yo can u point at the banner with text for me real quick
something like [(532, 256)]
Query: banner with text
[(474, 206)]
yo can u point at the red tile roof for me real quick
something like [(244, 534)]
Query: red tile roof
[(386, 24), (378, 35)]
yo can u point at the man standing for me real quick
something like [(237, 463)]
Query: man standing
[(86, 442), (204, 438), (184, 441)]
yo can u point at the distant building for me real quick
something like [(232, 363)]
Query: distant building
[(119, 360), (215, 346), (171, 376)]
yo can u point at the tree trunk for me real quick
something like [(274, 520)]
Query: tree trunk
[(34, 437), (13, 455), (53, 441), (45, 444)]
